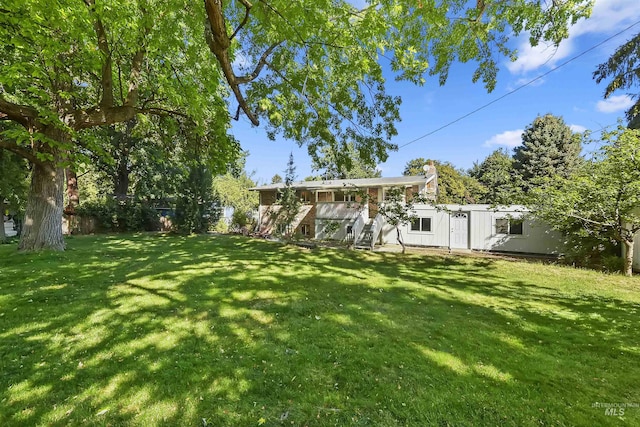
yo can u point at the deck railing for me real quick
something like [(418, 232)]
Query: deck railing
[(356, 228)]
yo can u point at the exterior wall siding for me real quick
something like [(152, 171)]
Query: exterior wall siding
[(323, 234), (536, 237), (337, 210)]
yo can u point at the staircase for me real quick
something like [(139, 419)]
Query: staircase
[(365, 239)]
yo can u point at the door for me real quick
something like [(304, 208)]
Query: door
[(459, 238)]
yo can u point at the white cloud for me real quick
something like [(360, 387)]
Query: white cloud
[(533, 57), (608, 16), (577, 128), (509, 138), (614, 104)]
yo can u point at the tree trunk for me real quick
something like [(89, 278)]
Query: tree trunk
[(73, 194), (42, 227), (125, 143), (628, 257), (3, 236), (399, 237), (122, 178)]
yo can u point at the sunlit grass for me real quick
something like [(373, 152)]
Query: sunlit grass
[(160, 330)]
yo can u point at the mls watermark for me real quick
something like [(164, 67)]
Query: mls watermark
[(615, 409)]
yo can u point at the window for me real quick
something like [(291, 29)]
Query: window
[(421, 224), (508, 226), (339, 196), (305, 196), (515, 226), (305, 230), (324, 196)]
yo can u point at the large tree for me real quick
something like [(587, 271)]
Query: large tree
[(310, 69), (67, 66), (549, 149), (454, 185), (622, 70), (497, 175), (602, 197)]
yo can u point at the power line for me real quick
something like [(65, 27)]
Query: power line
[(519, 87)]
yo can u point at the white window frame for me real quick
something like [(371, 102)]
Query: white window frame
[(421, 231)]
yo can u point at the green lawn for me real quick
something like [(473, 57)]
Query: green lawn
[(211, 330)]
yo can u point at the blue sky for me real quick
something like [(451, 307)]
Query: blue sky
[(569, 92)]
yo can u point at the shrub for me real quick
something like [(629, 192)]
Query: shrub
[(221, 226), (114, 215)]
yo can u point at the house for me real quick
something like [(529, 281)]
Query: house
[(334, 209)]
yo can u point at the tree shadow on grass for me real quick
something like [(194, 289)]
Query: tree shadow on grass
[(169, 331)]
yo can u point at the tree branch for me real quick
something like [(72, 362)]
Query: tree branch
[(83, 119), (106, 80), (277, 12), (247, 5), (134, 78), (261, 63), (590, 221), (20, 151), (21, 114), (219, 42), (163, 112), (136, 66)]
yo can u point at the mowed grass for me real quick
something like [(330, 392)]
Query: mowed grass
[(228, 331)]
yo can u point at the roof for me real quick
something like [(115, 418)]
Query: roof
[(358, 183)]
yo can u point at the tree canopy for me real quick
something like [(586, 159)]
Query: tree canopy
[(601, 198), (454, 185), (497, 175), (347, 165), (549, 149)]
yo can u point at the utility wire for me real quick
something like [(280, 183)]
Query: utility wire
[(520, 87)]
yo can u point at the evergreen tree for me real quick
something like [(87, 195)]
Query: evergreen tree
[(289, 201), (623, 70), (549, 149), (194, 206)]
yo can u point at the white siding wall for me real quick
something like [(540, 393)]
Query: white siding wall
[(438, 236), (345, 213), (536, 237), (340, 234), (337, 210)]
